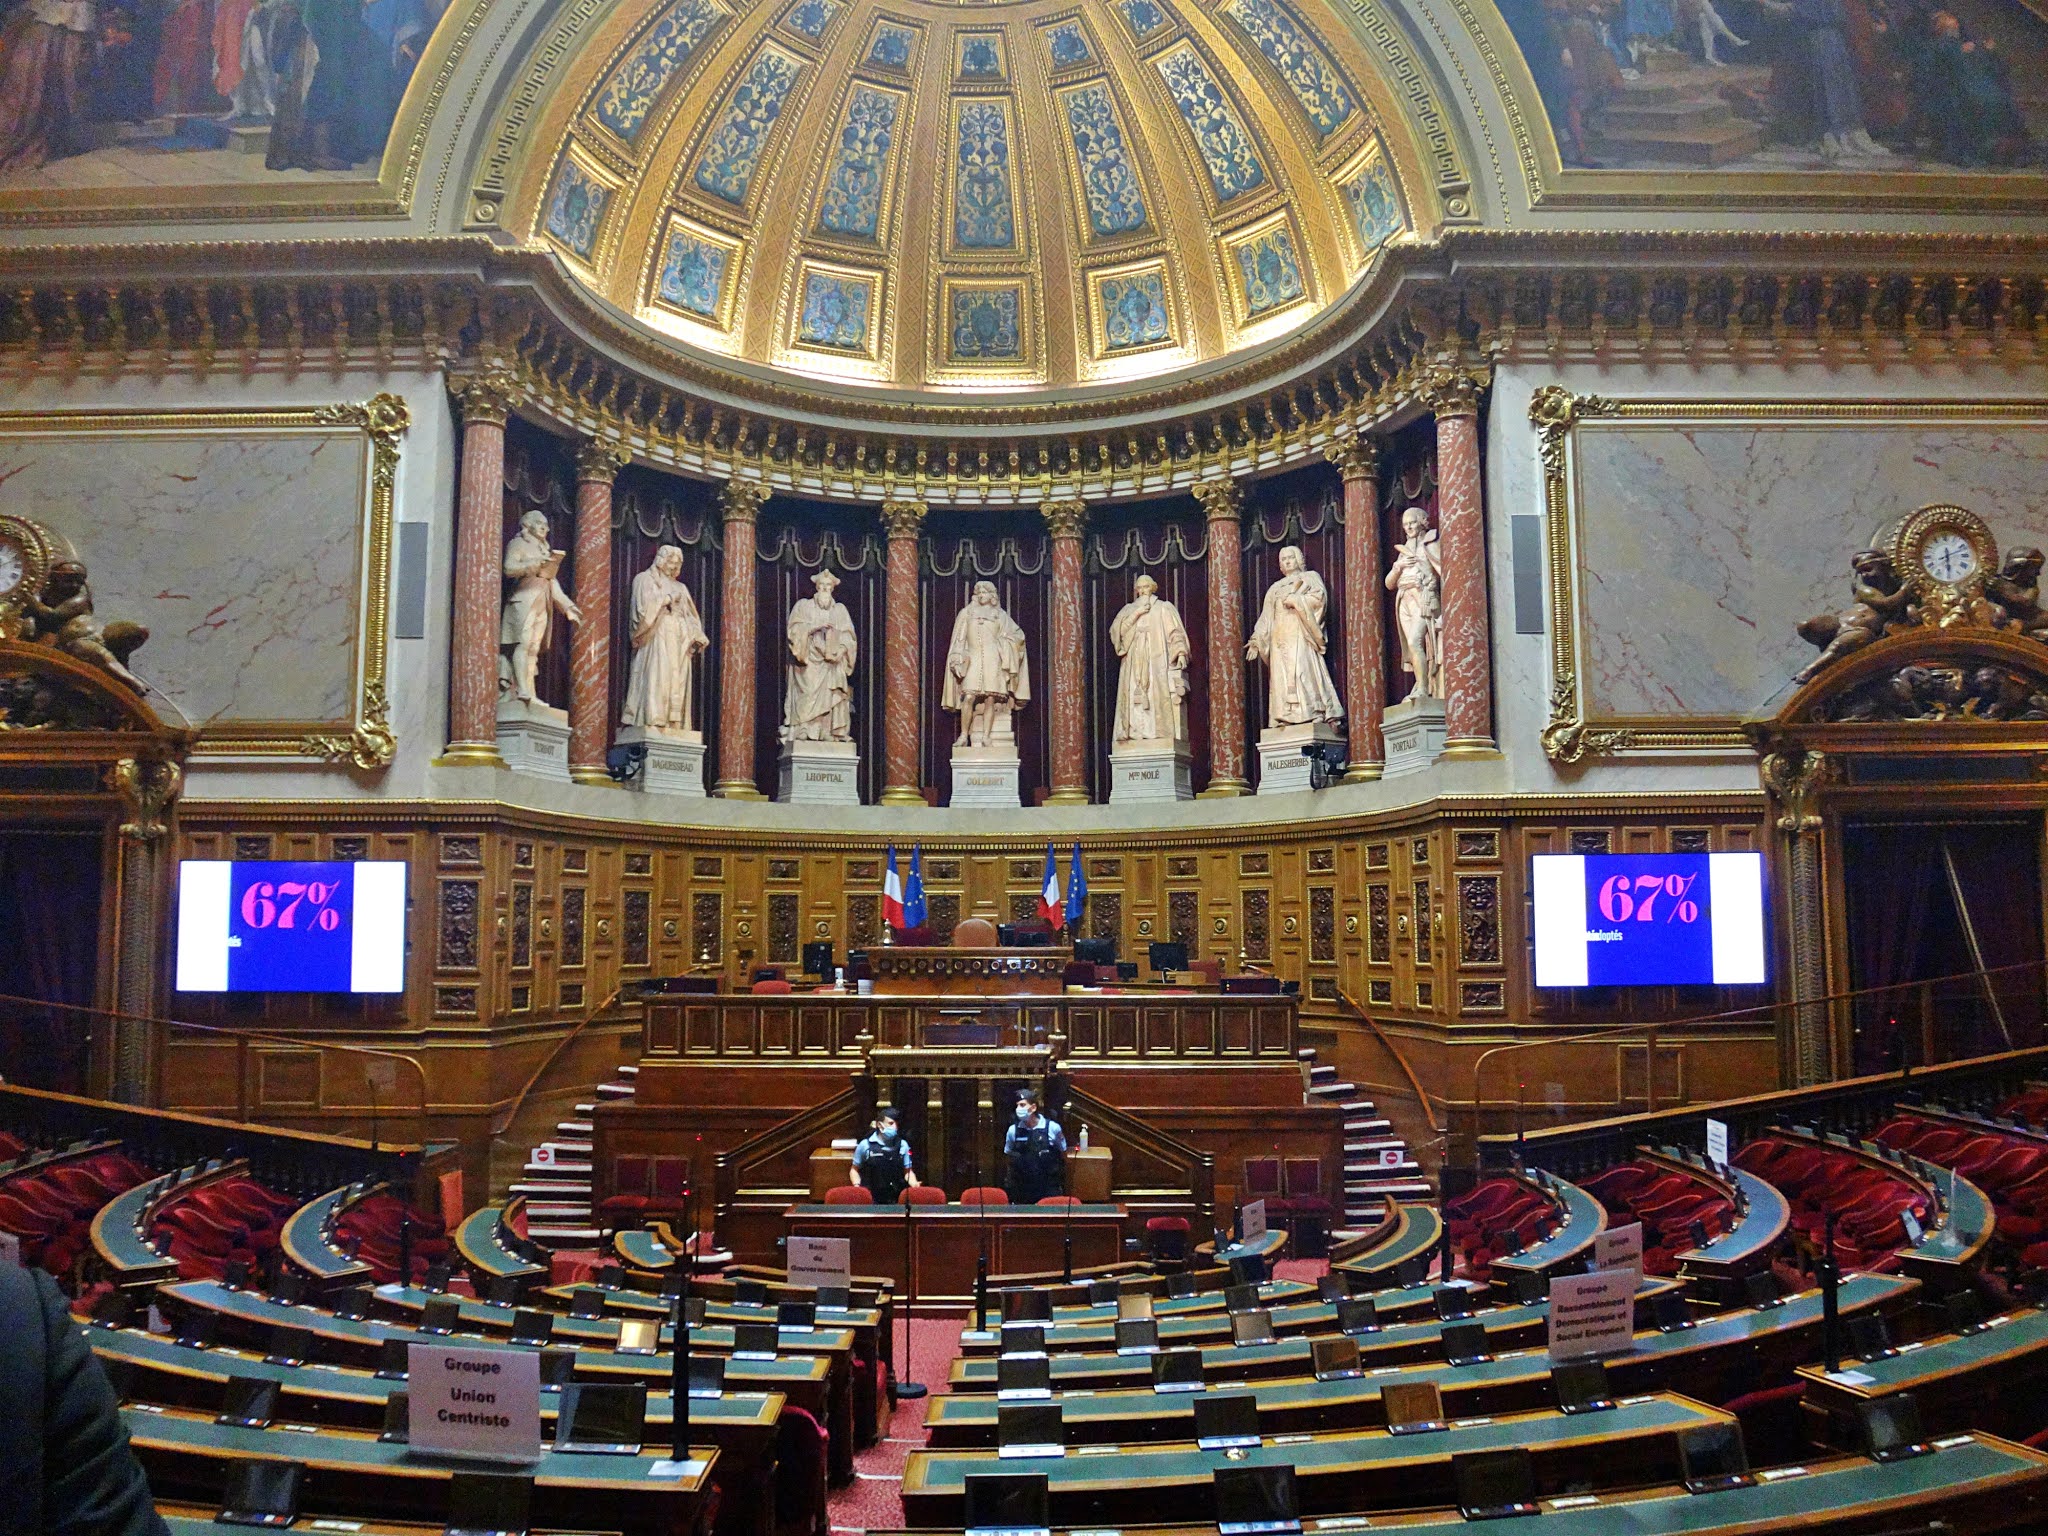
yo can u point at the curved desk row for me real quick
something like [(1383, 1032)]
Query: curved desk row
[(480, 1243), (1996, 1378), (1414, 1237), (306, 1242), (185, 1456), (1635, 1442), (1973, 1483)]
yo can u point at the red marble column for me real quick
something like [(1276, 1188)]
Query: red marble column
[(903, 677), (1066, 521), (1453, 396), (590, 642), (736, 660), (1223, 503), (484, 400), (1365, 646)]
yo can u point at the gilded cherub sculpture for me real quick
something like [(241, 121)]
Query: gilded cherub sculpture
[(63, 618), (1881, 600)]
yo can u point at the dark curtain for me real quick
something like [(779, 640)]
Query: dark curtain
[(1168, 541), (1998, 867), (794, 541), (49, 951), (1010, 549), (540, 471), (1407, 479), (1304, 507), (649, 510), (1905, 926)]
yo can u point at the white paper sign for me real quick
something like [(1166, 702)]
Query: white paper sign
[(1251, 1221), (821, 1261), (1592, 1314), (482, 1403), (1390, 1157), (1717, 1143), (1620, 1248)]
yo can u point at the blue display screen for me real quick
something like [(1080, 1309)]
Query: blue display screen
[(1650, 919), (281, 926)]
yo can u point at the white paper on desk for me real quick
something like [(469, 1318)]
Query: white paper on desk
[(1717, 1143), (1251, 1221), (482, 1404), (820, 1262), (1620, 1248), (1592, 1314)]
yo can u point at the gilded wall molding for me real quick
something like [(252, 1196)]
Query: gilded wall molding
[(1574, 732), (363, 738)]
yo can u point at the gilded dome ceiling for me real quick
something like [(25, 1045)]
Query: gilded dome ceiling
[(1031, 195)]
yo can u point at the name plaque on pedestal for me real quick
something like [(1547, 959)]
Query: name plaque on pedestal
[(819, 773), (674, 764), (1282, 768), (534, 738), (986, 778), (1151, 770), (1414, 733)]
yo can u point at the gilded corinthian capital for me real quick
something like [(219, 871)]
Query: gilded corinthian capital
[(1357, 457), (1222, 500), (902, 519), (486, 395), (1065, 519), (1452, 389), (741, 500), (601, 459)]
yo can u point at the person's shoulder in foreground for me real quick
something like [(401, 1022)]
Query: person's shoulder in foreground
[(65, 1465)]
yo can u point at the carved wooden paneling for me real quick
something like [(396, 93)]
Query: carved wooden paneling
[(1023, 906), (1160, 1036), (1106, 915), (942, 869), (458, 917), (944, 911), (638, 863), (1376, 856), (287, 1079), (1421, 920), (252, 845), (574, 900), (575, 861), (1184, 919), (1254, 863), (814, 1031), (462, 848), (707, 925), (778, 1030), (351, 849), (1379, 991), (1379, 930), (785, 869), (457, 1001), (1590, 840), (522, 926), (785, 913), (1322, 924), (522, 855), (1478, 845), (1479, 919), (1026, 871), (638, 909), (1182, 868), (1418, 852), (1691, 839), (863, 921), (707, 866), (863, 871), (1256, 907), (1120, 1031), (1481, 996)]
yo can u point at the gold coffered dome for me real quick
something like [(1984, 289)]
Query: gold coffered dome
[(1028, 196)]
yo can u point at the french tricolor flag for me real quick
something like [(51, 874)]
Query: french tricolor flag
[(892, 894), (1052, 905)]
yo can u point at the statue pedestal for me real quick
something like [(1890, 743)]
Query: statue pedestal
[(674, 764), (534, 738), (986, 777), (1150, 770), (1282, 768), (1414, 733), (819, 773)]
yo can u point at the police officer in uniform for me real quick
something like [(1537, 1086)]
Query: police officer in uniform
[(1037, 1150), (881, 1161)]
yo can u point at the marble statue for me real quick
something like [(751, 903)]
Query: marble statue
[(1416, 580), (1290, 639), (987, 675), (63, 617), (1152, 689), (822, 649), (531, 607), (667, 634)]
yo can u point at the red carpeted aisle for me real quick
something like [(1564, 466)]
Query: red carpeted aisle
[(874, 1502)]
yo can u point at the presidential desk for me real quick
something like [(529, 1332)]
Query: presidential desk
[(945, 1242)]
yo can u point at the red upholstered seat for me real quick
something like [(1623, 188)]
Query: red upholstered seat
[(924, 1194), (1166, 1239), (771, 986), (849, 1194), (1061, 1200), (984, 1194)]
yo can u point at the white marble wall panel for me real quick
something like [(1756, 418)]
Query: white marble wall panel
[(241, 551), (1702, 545)]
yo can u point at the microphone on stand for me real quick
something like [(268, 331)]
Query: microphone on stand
[(679, 1366)]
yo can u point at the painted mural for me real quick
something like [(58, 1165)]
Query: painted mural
[(149, 94), (1852, 85)]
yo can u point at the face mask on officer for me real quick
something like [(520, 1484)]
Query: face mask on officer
[(1023, 1111), (887, 1130)]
